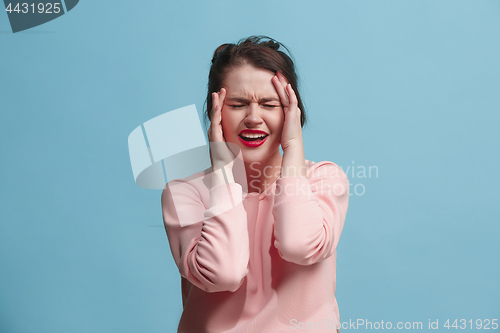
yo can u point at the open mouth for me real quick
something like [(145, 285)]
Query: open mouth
[(259, 138)]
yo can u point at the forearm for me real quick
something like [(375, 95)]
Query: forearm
[(293, 163), (223, 250), (310, 213), (210, 246), (218, 176)]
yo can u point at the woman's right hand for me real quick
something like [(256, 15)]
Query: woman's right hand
[(220, 154)]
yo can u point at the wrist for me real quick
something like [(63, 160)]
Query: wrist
[(222, 175), (225, 167), (293, 149), (293, 145), (293, 162)]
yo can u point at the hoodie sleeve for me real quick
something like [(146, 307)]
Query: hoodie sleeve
[(310, 213), (209, 246)]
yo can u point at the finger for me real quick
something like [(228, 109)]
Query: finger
[(215, 101), (215, 117), (291, 95), (222, 97), (219, 108), (214, 104), (217, 121), (281, 90), (216, 109), (282, 79)]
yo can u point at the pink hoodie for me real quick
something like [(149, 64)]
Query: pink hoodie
[(257, 262)]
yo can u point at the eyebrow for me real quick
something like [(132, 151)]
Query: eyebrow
[(246, 100)]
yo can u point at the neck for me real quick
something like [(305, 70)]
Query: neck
[(260, 175)]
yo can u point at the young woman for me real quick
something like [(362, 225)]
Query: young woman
[(256, 253)]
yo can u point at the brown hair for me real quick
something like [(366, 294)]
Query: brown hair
[(254, 51)]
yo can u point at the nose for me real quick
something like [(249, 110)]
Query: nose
[(253, 116)]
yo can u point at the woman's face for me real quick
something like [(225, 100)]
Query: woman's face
[(252, 103)]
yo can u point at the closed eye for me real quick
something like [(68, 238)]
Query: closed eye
[(265, 105)]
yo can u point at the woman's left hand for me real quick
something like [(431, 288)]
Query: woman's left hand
[(291, 136)]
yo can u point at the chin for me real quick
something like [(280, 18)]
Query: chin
[(256, 156)]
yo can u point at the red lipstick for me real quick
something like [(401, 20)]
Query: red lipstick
[(254, 142)]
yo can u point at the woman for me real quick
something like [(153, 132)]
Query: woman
[(257, 254)]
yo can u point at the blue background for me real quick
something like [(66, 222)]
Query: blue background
[(410, 87)]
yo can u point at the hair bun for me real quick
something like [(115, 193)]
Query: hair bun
[(221, 49), (272, 44)]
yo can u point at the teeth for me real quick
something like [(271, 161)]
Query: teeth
[(253, 136)]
